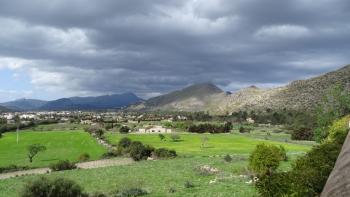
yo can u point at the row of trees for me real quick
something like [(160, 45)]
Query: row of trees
[(210, 128)]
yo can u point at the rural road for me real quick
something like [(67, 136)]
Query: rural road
[(84, 165)]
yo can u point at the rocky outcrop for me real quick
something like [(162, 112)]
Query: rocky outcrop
[(338, 183)]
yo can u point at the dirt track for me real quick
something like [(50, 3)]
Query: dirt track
[(84, 165)]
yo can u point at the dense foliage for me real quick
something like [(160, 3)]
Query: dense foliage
[(210, 128), (138, 151), (264, 159), (124, 129), (310, 172), (60, 187), (335, 105), (302, 133)]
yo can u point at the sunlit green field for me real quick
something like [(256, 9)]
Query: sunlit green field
[(216, 144), (60, 145), (157, 177)]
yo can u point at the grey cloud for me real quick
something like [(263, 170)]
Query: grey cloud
[(151, 47)]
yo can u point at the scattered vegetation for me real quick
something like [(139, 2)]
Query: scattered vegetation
[(175, 137), (63, 165)]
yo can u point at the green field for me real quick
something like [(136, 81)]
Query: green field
[(60, 145), (191, 144), (157, 177)]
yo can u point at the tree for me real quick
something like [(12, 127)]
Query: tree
[(265, 159), (161, 137), (18, 122), (34, 149), (124, 129), (335, 105)]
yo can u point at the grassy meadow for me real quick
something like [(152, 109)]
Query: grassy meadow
[(60, 145), (158, 177), (216, 144)]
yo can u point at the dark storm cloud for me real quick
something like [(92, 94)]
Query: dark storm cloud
[(150, 47)]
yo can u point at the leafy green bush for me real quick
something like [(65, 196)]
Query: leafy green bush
[(63, 165), (264, 159), (228, 158), (111, 153), (138, 151), (274, 185), (60, 187), (302, 133), (189, 184), (124, 143), (283, 153), (132, 192), (338, 127), (164, 153)]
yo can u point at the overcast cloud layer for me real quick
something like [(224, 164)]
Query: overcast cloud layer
[(92, 47)]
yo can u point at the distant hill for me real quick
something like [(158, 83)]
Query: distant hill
[(192, 98), (298, 95), (24, 104), (4, 109), (92, 103)]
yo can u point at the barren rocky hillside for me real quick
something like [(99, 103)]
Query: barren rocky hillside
[(298, 95)]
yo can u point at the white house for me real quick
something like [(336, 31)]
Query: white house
[(154, 129)]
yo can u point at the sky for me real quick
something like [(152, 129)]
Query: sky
[(62, 48)]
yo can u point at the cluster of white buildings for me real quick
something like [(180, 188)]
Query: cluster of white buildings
[(153, 130)]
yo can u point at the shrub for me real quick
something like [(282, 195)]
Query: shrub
[(132, 192), (84, 157), (111, 153), (138, 151), (124, 129), (0, 134), (95, 130), (302, 133), (60, 187), (161, 137), (228, 158), (244, 129), (175, 137), (283, 153), (164, 153), (12, 168), (274, 185), (63, 165), (264, 159), (338, 127), (189, 184), (124, 143)]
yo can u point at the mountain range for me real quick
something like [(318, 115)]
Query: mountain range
[(74, 103), (298, 95)]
